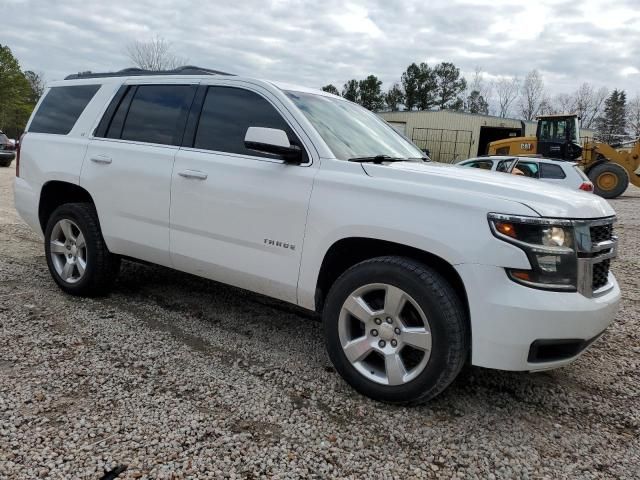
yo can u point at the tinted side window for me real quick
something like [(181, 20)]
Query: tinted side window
[(226, 115), (117, 122), (61, 108), (504, 165), (551, 171), (157, 113), (483, 164)]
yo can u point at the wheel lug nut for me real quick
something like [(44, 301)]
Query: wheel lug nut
[(374, 332), (394, 343), (397, 330), (378, 321), (382, 343), (389, 320)]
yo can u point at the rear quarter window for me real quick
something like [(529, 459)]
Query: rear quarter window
[(548, 170), (61, 108)]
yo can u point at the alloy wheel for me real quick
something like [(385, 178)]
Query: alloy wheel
[(384, 334), (68, 251)]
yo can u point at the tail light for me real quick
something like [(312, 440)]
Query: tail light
[(586, 186), (18, 147)]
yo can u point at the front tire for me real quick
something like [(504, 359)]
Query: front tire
[(395, 330), (77, 256), (609, 179)]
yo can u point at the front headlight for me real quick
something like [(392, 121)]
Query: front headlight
[(549, 245)]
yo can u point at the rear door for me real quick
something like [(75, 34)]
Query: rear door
[(128, 167)]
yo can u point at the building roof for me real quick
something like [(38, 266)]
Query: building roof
[(454, 112)]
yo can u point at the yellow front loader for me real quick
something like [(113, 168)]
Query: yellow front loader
[(558, 136)]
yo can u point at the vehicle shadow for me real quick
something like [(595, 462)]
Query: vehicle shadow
[(248, 315)]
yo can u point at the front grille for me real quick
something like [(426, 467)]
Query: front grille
[(600, 274), (600, 233)]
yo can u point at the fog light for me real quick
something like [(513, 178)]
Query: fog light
[(549, 263)]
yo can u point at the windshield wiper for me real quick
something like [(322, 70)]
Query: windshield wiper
[(377, 159)]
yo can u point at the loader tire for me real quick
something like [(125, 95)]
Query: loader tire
[(609, 179)]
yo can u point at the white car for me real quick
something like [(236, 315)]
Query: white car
[(567, 174), (416, 267)]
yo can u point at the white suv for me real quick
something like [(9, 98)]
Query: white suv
[(300, 195)]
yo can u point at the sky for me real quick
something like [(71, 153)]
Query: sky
[(313, 43)]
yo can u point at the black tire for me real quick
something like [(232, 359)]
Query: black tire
[(609, 179), (5, 163), (102, 266), (443, 308)]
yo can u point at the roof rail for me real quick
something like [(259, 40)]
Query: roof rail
[(131, 72)]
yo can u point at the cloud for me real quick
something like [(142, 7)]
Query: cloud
[(314, 43)]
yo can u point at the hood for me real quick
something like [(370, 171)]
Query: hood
[(546, 199)]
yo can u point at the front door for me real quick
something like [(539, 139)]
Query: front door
[(237, 215)]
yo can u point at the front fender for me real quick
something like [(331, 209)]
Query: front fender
[(439, 220)]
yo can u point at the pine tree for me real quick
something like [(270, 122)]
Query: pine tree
[(371, 93), (612, 126), (449, 85), (477, 104), (351, 90), (394, 98), (331, 89)]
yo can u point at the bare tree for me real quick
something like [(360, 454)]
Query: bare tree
[(532, 95), (563, 103), (506, 92), (478, 84), (546, 106), (633, 116), (588, 104), (155, 54)]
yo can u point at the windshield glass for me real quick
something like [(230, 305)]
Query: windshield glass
[(351, 131), (559, 130)]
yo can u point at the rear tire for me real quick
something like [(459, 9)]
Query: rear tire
[(77, 256), (609, 179), (409, 339), (5, 163)]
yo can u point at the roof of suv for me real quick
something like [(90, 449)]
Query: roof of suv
[(131, 72), (188, 70)]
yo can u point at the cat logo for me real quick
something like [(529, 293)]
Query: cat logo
[(526, 146)]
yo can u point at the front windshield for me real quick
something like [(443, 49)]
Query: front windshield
[(351, 131)]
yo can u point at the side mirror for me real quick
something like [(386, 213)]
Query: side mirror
[(273, 141)]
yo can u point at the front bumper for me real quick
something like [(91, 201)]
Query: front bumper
[(507, 319)]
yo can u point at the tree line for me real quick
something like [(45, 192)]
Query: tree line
[(19, 92), (422, 87)]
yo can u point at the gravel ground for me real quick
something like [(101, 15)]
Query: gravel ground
[(178, 377)]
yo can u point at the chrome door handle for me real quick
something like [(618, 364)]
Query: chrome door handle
[(193, 174), (101, 159)]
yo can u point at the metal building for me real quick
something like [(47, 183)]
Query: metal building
[(453, 136)]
